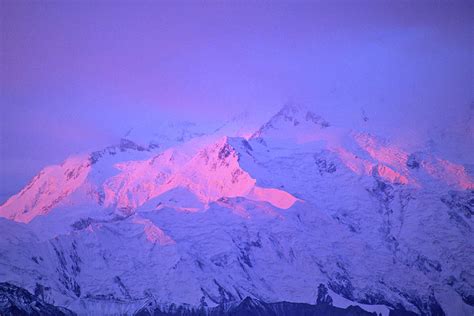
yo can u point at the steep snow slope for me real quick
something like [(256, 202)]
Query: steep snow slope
[(46, 190), (213, 218)]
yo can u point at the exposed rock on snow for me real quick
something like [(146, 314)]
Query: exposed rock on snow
[(17, 301)]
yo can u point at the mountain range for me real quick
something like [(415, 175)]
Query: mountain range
[(238, 221)]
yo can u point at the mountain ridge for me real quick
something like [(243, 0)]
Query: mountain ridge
[(268, 216)]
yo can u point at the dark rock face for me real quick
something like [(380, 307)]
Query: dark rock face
[(460, 206), (323, 296), (401, 313), (124, 145), (460, 202), (69, 267), (225, 152), (341, 284), (324, 166), (83, 223), (468, 299), (413, 162), (462, 285), (128, 144), (254, 307), (247, 145), (316, 119), (97, 155), (18, 301)]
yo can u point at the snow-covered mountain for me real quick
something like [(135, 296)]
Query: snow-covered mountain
[(212, 217)]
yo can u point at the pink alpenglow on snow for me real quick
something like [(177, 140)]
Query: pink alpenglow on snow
[(229, 209), (47, 189), (450, 173), (153, 233), (389, 174), (236, 158), (210, 174), (278, 198)]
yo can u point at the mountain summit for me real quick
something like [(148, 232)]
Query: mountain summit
[(290, 121)]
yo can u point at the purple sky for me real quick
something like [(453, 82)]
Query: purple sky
[(75, 76)]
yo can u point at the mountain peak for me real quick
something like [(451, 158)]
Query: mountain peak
[(291, 121), (47, 189)]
